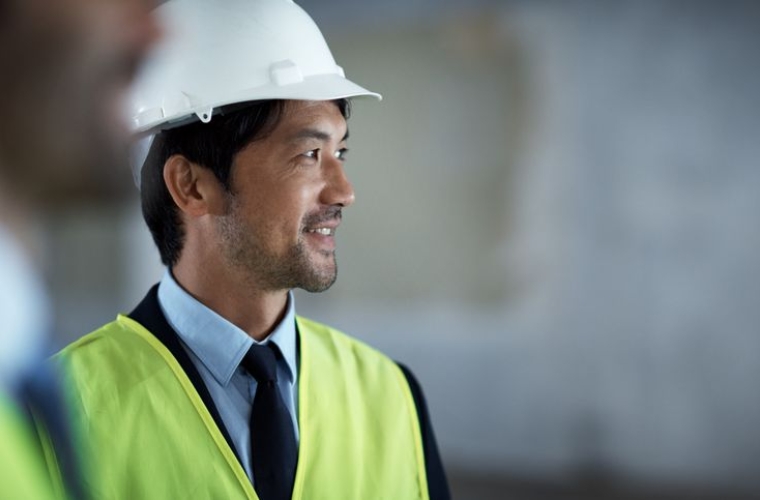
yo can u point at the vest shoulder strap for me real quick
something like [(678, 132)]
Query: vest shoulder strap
[(145, 421)]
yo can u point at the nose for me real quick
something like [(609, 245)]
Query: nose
[(338, 189)]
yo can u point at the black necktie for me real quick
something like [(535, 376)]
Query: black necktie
[(273, 444)]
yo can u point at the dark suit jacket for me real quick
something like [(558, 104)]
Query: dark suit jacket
[(148, 313)]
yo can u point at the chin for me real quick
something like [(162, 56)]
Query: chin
[(320, 280)]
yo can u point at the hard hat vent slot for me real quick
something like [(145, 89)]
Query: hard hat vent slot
[(285, 73)]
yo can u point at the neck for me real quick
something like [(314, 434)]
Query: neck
[(254, 311)]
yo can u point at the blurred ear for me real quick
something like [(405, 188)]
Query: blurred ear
[(194, 189)]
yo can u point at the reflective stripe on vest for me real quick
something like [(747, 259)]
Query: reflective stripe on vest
[(152, 436)]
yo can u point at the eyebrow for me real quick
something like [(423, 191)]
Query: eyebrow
[(313, 133)]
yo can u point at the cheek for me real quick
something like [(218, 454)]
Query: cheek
[(281, 206), (278, 212), (296, 207)]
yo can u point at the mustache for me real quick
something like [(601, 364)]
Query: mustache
[(330, 214)]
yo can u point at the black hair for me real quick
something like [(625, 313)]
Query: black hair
[(212, 145)]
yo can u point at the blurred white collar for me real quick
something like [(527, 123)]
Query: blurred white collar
[(24, 308)]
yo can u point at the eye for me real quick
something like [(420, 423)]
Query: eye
[(341, 154), (313, 154)]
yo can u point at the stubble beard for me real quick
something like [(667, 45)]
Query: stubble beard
[(265, 270)]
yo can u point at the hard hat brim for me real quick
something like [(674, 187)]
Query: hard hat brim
[(313, 88), (326, 87)]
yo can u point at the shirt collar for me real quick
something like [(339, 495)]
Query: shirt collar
[(217, 343)]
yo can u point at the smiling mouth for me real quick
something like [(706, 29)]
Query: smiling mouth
[(324, 231), (323, 224)]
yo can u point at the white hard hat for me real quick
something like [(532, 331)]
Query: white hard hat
[(217, 53)]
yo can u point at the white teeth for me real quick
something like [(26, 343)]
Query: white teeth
[(325, 231)]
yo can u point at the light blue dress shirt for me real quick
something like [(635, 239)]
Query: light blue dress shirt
[(216, 347)]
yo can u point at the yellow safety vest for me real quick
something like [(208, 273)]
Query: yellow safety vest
[(22, 467), (152, 436)]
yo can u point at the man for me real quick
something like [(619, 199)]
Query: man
[(213, 387), (64, 66)]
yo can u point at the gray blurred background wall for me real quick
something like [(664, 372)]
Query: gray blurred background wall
[(556, 227)]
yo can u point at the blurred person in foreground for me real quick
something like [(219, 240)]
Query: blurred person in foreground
[(213, 387), (64, 65)]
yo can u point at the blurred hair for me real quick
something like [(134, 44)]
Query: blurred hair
[(212, 145)]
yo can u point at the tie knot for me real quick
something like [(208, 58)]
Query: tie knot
[(261, 362)]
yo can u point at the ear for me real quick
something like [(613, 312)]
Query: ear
[(194, 189)]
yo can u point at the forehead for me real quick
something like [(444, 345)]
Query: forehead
[(322, 116)]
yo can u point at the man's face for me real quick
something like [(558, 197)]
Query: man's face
[(287, 192), (65, 67)]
